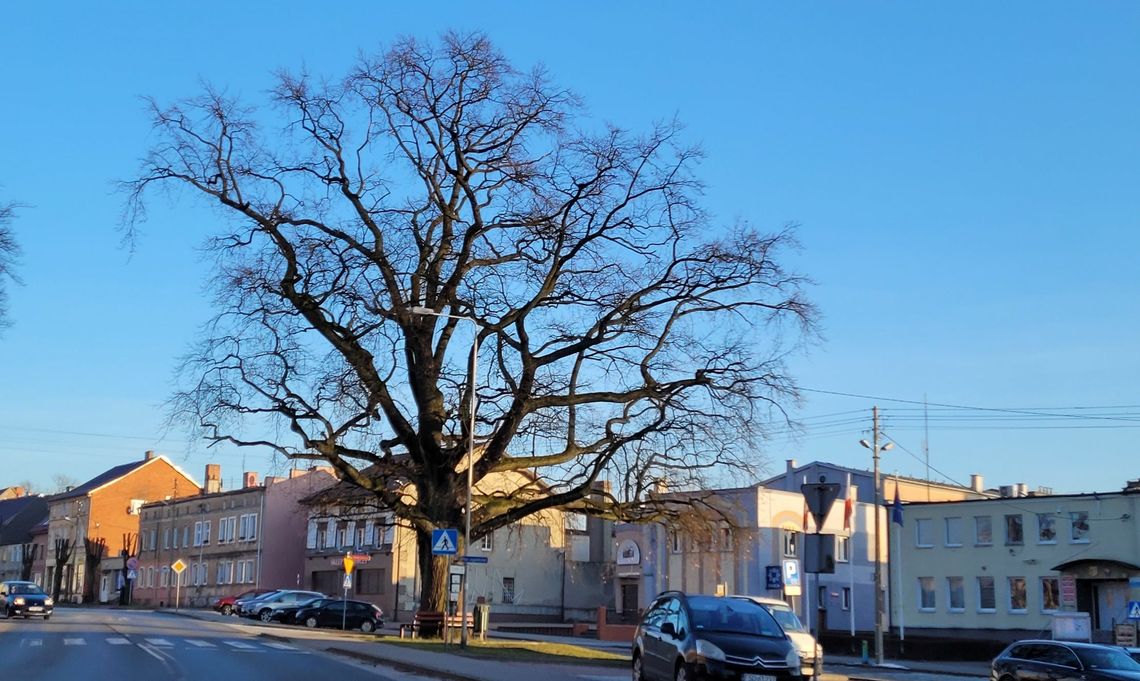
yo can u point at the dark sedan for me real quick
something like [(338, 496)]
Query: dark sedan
[(25, 599), (338, 613), (1063, 661), (287, 613), (687, 636)]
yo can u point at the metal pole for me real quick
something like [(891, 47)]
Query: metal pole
[(470, 477), (878, 553)]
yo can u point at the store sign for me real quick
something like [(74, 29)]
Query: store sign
[(1068, 591), (628, 553)]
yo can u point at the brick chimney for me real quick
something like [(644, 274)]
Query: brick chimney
[(213, 479), (248, 479), (148, 455)]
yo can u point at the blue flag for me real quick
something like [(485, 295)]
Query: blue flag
[(896, 508)]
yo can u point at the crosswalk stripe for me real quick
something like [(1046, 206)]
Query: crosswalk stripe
[(31, 642), (279, 646), (159, 642), (241, 645), (74, 642), (118, 641), (200, 644)]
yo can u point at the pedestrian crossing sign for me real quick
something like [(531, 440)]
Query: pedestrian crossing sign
[(444, 542), (1134, 610)]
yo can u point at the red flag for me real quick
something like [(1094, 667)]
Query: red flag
[(849, 508)]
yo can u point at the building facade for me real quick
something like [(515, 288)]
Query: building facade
[(18, 516), (1001, 569), (226, 541)]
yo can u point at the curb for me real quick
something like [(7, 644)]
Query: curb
[(903, 670), (402, 666)]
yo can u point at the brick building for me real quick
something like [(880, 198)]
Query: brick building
[(104, 510)]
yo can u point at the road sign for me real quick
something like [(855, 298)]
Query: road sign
[(132, 574), (474, 559), (132, 563), (772, 577), (1134, 610), (791, 577), (444, 542), (348, 565), (457, 569), (347, 581), (819, 497), (178, 566)]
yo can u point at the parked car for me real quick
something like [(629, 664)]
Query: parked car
[(805, 643), (1063, 661), (287, 613), (225, 604), (685, 636), (241, 605), (266, 607), (335, 613), (25, 599)]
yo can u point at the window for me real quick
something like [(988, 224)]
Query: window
[(250, 576), (240, 569), (922, 533), (360, 532), (987, 601), (1017, 594), (508, 590), (926, 593), (843, 549), (846, 598), (165, 577), (953, 531), (1080, 526), (186, 536), (206, 534), (1046, 528), (790, 543), (150, 576), (1013, 530), (312, 536), (198, 534), (956, 592), (676, 542), (487, 543), (983, 530), (166, 538), (1050, 594), (252, 527), (726, 539)]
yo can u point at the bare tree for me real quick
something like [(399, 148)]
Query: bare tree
[(61, 482), (93, 552), (28, 560), (9, 253), (63, 551), (624, 334)]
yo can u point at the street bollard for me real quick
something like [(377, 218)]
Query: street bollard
[(866, 656)]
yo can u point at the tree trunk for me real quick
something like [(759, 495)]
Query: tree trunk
[(433, 579)]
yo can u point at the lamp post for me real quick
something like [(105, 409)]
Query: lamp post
[(470, 462), (875, 448)]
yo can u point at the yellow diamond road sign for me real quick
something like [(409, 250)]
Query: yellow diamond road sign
[(348, 564), (178, 566)]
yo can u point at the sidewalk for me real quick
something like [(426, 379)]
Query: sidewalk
[(455, 667)]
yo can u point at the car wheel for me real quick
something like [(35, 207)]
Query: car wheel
[(367, 626), (266, 615), (311, 622), (637, 668), (47, 617), (227, 610), (682, 673)]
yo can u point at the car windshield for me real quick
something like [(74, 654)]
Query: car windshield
[(1106, 658), (26, 589), (787, 619), (732, 616)]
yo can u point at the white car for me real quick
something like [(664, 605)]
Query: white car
[(809, 650)]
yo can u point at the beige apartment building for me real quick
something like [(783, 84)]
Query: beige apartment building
[(1001, 569), (228, 541)]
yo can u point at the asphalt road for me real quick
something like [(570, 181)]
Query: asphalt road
[(127, 645)]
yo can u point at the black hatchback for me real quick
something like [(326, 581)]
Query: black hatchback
[(1063, 661), (349, 614), (25, 599), (683, 637)]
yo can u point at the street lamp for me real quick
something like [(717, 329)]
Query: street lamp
[(470, 461), (875, 448)]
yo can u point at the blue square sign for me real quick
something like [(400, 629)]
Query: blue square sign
[(444, 542)]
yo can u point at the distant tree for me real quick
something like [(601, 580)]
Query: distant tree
[(627, 336), (93, 552), (63, 551), (28, 560), (9, 254), (61, 482)]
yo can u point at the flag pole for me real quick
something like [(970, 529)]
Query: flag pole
[(898, 545), (851, 533)]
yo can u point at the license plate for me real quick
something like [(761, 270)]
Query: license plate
[(757, 677), (35, 608)]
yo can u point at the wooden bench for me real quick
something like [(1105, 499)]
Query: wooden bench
[(432, 622)]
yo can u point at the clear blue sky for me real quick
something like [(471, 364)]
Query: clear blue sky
[(966, 178)]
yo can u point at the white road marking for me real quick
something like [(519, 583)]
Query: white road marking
[(159, 642), (241, 645), (118, 641), (31, 642), (200, 643), (74, 642), (279, 646)]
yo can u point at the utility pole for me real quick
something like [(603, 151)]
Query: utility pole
[(875, 448)]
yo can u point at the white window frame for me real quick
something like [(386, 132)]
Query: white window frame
[(1009, 540), (993, 592), (487, 542), (791, 543), (1024, 589), (953, 531), (198, 533), (1076, 517), (922, 529), (1041, 589), (950, 594), (1046, 522), (977, 530), (923, 583), (845, 596), (842, 549)]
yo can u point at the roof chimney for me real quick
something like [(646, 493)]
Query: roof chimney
[(976, 483), (248, 479), (213, 479), (149, 455)]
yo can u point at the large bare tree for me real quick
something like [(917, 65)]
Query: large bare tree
[(9, 252), (624, 334)]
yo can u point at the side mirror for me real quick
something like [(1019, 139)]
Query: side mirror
[(669, 629)]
